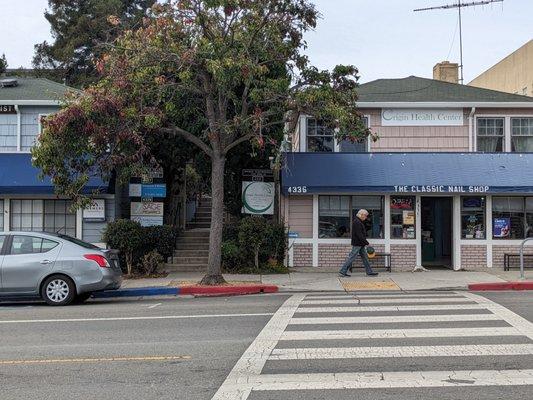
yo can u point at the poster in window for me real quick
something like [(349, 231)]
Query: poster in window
[(502, 227), (408, 217)]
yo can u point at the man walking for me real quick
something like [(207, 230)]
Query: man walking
[(359, 244)]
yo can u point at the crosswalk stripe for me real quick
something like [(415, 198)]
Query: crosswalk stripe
[(402, 300), (383, 296), (323, 353), (383, 380), (398, 333), (393, 318), (391, 308)]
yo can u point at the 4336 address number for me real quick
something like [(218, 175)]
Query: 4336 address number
[(297, 189)]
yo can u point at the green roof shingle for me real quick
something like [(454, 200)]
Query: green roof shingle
[(415, 89), (39, 89)]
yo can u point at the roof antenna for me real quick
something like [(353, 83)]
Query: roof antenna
[(459, 6)]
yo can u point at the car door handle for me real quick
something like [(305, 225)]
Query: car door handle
[(46, 262)]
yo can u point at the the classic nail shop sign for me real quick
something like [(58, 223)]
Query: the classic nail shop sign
[(421, 117), (441, 189)]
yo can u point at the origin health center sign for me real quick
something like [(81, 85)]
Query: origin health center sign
[(258, 198), (421, 117)]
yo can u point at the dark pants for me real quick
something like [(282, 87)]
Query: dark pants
[(357, 250)]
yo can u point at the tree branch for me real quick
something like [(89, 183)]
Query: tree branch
[(174, 130), (237, 142)]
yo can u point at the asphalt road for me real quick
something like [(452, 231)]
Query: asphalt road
[(185, 348)]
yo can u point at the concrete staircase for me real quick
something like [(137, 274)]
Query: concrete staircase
[(192, 247)]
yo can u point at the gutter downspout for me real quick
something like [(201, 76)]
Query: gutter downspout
[(19, 127), (471, 130)]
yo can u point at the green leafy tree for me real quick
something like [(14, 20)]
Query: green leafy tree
[(203, 71), (3, 64), (79, 27)]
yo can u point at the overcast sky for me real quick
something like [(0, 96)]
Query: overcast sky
[(383, 38)]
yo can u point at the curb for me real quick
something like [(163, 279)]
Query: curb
[(525, 285), (188, 290)]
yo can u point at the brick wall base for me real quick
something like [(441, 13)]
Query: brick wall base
[(474, 257), (334, 255), (403, 257), (498, 252), (303, 255)]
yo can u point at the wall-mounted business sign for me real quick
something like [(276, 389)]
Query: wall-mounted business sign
[(7, 109), (155, 190), (95, 211), (441, 189), (147, 208), (421, 117), (258, 198), (147, 220)]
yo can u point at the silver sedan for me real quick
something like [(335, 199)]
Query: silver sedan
[(58, 268)]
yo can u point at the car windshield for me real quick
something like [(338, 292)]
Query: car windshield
[(79, 242)]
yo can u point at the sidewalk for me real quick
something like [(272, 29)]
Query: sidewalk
[(330, 281)]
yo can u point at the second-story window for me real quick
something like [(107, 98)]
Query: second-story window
[(319, 138), (522, 134), (490, 134), (347, 146)]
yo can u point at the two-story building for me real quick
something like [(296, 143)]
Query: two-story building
[(449, 181), (26, 202)]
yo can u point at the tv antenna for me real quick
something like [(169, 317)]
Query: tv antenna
[(459, 5)]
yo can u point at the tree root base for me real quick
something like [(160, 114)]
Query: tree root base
[(212, 280)]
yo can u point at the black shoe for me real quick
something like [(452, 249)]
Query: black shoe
[(372, 273), (342, 274)]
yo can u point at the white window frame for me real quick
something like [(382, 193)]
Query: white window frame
[(511, 117), (506, 134), (337, 142)]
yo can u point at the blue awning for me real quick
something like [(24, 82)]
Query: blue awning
[(19, 176), (407, 173)]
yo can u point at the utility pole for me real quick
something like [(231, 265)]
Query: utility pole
[(459, 6)]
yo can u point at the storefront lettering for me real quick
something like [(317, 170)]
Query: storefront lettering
[(441, 189)]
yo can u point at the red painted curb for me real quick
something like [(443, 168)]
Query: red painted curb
[(228, 290), (526, 285)]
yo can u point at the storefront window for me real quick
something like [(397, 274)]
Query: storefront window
[(490, 134), (529, 216), (522, 134), (508, 217), (333, 216), (347, 146), (1, 215), (43, 215), (473, 217), (319, 137), (374, 206), (402, 212)]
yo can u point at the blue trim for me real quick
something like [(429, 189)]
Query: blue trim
[(138, 292), (312, 173), (19, 176)]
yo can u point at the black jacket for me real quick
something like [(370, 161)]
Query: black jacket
[(358, 233)]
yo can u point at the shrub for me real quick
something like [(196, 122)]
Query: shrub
[(160, 238), (231, 256), (126, 236), (151, 261), (253, 233)]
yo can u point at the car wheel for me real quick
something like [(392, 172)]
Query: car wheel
[(58, 290), (82, 297)]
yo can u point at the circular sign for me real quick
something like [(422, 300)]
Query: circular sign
[(258, 197)]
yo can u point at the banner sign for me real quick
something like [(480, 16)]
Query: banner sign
[(441, 189), (258, 198), (421, 117), (95, 211)]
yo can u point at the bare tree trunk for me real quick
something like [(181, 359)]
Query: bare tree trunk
[(214, 272)]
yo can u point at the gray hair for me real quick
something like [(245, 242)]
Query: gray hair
[(362, 212)]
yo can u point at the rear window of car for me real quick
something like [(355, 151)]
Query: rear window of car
[(79, 242), (30, 245)]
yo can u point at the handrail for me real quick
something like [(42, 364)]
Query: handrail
[(522, 257)]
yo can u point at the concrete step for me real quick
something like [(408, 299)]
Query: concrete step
[(203, 214), (185, 268), (193, 246), (206, 220), (193, 225), (195, 233), (191, 253), (189, 260), (203, 209)]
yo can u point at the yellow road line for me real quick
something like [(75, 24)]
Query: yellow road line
[(92, 360)]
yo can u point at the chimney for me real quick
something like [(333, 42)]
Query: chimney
[(446, 71)]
